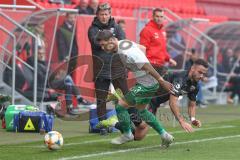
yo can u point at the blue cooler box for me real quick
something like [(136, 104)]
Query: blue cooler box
[(27, 121)]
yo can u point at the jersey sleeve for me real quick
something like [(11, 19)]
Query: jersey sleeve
[(176, 89)]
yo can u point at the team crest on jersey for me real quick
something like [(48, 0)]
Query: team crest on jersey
[(177, 86)]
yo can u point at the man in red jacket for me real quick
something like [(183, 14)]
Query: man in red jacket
[(153, 37)]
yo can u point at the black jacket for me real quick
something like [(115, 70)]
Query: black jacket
[(64, 35), (105, 65)]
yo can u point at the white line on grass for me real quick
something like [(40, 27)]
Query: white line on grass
[(144, 148), (149, 135)]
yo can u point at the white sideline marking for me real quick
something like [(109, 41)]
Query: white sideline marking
[(148, 135), (144, 148)]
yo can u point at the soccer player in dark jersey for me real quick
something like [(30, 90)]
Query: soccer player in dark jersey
[(184, 82)]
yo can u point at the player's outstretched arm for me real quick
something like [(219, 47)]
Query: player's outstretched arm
[(175, 110), (192, 113)]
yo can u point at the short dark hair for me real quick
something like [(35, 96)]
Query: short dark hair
[(103, 7), (104, 35), (157, 10), (201, 62)]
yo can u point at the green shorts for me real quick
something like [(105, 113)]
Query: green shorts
[(140, 94)]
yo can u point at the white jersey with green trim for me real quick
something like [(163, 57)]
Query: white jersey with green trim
[(134, 59)]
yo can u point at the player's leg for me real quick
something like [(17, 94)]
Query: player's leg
[(144, 97), (140, 131), (152, 121), (125, 123), (124, 117), (121, 83), (101, 90), (122, 106), (138, 127)]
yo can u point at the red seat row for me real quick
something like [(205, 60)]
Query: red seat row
[(54, 5), (126, 7)]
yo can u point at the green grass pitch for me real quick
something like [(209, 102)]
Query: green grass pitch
[(218, 139)]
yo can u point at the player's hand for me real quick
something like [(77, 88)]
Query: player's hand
[(186, 126), (166, 85), (197, 123)]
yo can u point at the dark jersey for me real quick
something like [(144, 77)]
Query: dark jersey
[(181, 85)]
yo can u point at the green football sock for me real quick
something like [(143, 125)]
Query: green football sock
[(120, 128), (123, 118), (151, 120)]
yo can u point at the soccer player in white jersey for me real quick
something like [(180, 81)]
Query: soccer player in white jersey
[(148, 81)]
